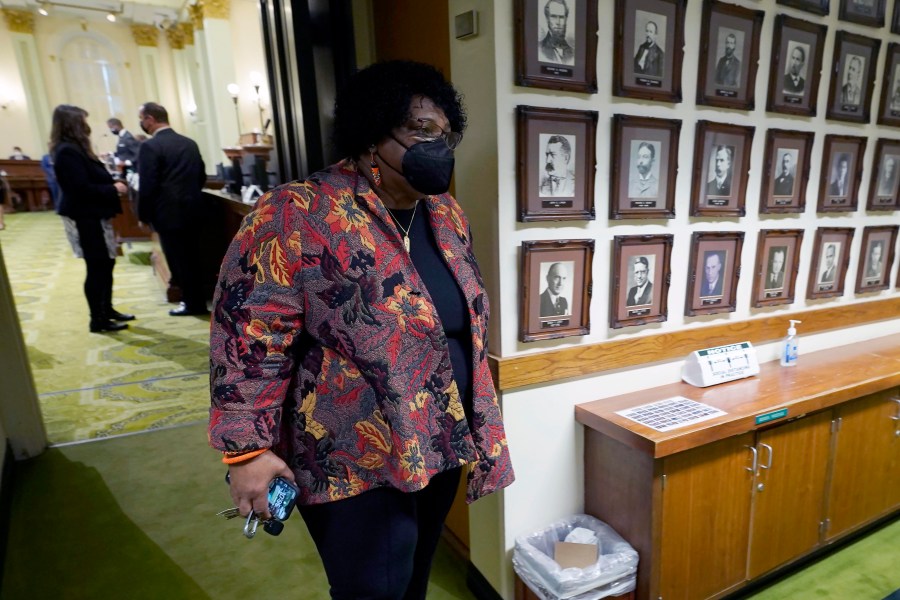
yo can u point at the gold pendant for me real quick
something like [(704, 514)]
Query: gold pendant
[(406, 242)]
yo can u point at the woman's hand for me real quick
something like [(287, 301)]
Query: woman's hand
[(250, 482), (121, 187)]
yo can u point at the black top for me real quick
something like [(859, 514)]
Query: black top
[(172, 176), (87, 188), (446, 294)]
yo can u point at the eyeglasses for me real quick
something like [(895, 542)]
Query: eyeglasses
[(430, 131)]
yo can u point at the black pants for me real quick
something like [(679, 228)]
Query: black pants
[(98, 283), (184, 254), (379, 545)]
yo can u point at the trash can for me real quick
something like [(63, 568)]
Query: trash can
[(614, 572)]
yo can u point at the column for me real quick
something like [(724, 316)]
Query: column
[(147, 39), (21, 28), (206, 132), (214, 35)]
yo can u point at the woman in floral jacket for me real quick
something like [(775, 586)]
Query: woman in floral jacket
[(349, 341)]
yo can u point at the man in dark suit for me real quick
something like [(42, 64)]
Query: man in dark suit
[(171, 176), (552, 302), (642, 291), (851, 91), (784, 183), (712, 283), (126, 146), (554, 47), (728, 69), (720, 184), (794, 83), (828, 268), (775, 271), (649, 58), (838, 185)]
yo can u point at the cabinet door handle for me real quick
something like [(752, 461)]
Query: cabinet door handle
[(768, 464), (897, 416), (752, 468)]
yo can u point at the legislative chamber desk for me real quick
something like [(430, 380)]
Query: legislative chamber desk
[(713, 506), (28, 181)]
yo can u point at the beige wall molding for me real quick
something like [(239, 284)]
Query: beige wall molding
[(145, 35), (216, 9), (187, 33), (175, 36), (593, 359), (19, 21)]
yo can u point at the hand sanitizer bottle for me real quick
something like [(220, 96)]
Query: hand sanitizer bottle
[(789, 351)]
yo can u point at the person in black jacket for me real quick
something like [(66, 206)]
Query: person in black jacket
[(90, 199), (171, 175), (127, 146)]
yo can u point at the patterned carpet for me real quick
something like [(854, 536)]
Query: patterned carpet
[(95, 385)]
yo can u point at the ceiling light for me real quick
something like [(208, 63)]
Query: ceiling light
[(42, 10)]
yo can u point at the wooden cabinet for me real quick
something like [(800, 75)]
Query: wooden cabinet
[(714, 505), (866, 467)]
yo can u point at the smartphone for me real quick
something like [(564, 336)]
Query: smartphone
[(282, 498)]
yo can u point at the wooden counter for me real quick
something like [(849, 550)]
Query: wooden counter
[(28, 181), (712, 506)]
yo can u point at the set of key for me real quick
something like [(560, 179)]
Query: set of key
[(270, 526)]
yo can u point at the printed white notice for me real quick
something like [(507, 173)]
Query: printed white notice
[(671, 413)]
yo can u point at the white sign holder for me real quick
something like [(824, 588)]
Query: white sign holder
[(710, 366)]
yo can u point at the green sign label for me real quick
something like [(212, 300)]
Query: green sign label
[(778, 414)]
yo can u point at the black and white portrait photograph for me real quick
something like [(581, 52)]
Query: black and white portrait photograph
[(828, 265), (557, 177), (887, 175), (777, 263), (644, 170), (851, 90), (884, 185), (650, 44), (895, 90), (853, 77), (795, 75), (864, 12), (713, 273), (729, 55), (556, 35), (640, 281), (786, 170), (889, 107), (713, 263), (839, 175), (876, 258), (775, 268), (831, 257), (556, 296), (729, 50), (721, 171)]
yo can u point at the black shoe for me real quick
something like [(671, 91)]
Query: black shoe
[(117, 316), (107, 325), (185, 311)]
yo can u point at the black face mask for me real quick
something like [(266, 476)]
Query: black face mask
[(427, 166)]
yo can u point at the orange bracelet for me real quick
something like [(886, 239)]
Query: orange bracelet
[(239, 458)]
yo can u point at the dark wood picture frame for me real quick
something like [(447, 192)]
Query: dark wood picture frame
[(830, 260), (839, 190), (728, 82), (638, 144), (797, 46), (568, 263), (884, 184), (850, 11), (713, 254), (650, 70), (895, 17), (708, 198), (869, 276), (819, 7), (567, 139), (774, 283), (633, 302), (575, 69), (855, 58), (786, 171), (889, 104)]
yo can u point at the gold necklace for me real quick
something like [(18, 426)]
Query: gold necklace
[(406, 229)]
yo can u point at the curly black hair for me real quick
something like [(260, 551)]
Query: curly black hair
[(376, 100)]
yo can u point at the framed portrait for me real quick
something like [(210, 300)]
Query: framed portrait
[(721, 166), (555, 163), (556, 44), (786, 171), (883, 186), (841, 173), (556, 289), (852, 77), (777, 260), (640, 279), (797, 52), (831, 257), (715, 269), (876, 258), (729, 55), (864, 12), (819, 7), (645, 162), (649, 49), (889, 107)]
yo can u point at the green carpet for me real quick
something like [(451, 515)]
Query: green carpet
[(91, 385)]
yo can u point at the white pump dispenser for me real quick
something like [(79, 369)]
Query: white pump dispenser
[(789, 351)]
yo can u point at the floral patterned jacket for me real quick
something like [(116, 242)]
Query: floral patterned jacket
[(326, 347)]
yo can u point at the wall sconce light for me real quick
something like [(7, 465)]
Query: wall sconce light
[(234, 89), (42, 10), (192, 112), (256, 80), (111, 17)]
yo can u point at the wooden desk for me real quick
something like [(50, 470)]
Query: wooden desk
[(27, 179), (712, 506)]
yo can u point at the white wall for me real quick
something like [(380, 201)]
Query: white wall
[(544, 439)]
